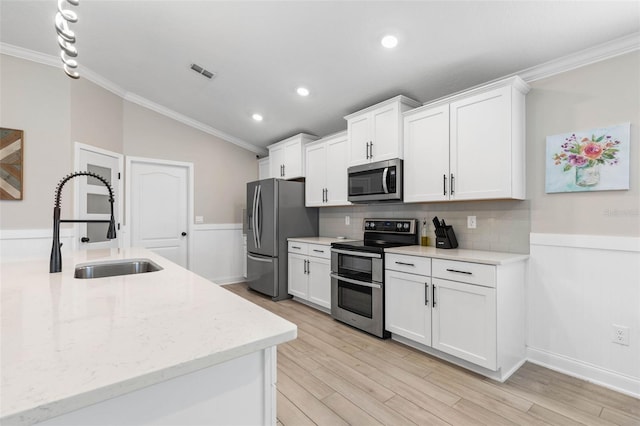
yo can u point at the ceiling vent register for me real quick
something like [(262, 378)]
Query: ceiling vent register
[(197, 68)]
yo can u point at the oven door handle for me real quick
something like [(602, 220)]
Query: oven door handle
[(356, 282), (357, 253)]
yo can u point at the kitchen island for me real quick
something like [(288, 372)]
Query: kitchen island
[(164, 347)]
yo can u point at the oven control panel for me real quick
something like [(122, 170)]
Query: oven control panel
[(399, 226)]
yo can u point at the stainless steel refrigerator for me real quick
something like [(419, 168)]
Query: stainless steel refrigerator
[(275, 212)]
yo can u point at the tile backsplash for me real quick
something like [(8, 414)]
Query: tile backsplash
[(502, 225)]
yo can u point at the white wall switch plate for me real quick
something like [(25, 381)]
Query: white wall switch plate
[(199, 219), (471, 222), (347, 220)]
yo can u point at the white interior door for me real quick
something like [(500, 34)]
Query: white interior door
[(158, 200), (92, 197)]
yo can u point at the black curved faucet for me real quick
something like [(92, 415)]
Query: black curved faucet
[(55, 262)]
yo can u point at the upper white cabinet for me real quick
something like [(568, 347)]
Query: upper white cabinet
[(264, 168), (326, 170), (375, 133), (467, 147), (286, 157)]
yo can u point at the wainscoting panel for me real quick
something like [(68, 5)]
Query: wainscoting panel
[(19, 244), (218, 252), (580, 286)]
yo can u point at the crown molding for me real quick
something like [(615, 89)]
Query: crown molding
[(146, 103), (94, 77), (582, 58)]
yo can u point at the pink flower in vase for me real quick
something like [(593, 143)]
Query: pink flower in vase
[(592, 150)]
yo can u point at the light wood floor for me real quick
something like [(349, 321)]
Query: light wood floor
[(335, 375)]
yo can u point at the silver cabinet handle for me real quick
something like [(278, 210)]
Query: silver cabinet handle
[(444, 184), (433, 295), (405, 264), (308, 267), (296, 247), (453, 187), (367, 150), (459, 272), (371, 149), (283, 170), (318, 251), (426, 294)]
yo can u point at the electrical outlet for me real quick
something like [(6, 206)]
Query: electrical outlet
[(621, 334), (471, 222), (347, 220)]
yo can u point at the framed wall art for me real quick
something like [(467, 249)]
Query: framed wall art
[(591, 160), (11, 164)]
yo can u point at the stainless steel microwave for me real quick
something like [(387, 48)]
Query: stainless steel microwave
[(375, 182)]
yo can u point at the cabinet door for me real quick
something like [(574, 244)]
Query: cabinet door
[(320, 281), (264, 168), (336, 172), (315, 182), (426, 149), (298, 282), (385, 133), (359, 136), (408, 306), (293, 167), (464, 321), (276, 156), (481, 146)]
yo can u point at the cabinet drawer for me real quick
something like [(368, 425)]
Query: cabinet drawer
[(298, 247), (411, 264), (466, 272), (319, 250)]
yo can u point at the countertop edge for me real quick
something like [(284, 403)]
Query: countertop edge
[(76, 402), (461, 255), (325, 241)]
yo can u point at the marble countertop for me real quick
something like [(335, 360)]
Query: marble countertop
[(464, 255), (326, 241), (68, 343)]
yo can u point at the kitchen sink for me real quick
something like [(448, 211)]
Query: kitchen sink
[(113, 268)]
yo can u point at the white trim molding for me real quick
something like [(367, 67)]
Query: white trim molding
[(600, 242), (21, 244)]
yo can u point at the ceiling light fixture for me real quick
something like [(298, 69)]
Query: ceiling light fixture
[(389, 41), (67, 38), (197, 68), (257, 117), (302, 91)]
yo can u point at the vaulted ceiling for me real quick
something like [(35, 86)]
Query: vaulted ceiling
[(261, 51)]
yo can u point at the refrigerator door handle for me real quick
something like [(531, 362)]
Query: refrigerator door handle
[(253, 215), (258, 214), (260, 259)]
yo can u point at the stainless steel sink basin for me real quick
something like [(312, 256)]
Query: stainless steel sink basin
[(112, 268)]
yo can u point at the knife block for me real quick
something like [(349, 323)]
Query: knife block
[(446, 238)]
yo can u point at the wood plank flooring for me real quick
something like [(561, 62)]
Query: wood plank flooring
[(335, 375)]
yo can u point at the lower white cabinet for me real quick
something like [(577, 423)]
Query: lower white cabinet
[(468, 313), (309, 269)]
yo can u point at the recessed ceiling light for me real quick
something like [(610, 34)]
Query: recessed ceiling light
[(302, 91), (389, 41), (257, 117)]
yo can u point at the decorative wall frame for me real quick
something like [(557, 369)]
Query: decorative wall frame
[(592, 160), (11, 164)]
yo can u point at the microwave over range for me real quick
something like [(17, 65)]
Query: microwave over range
[(375, 182)]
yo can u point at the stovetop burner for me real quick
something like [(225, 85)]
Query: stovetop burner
[(383, 233)]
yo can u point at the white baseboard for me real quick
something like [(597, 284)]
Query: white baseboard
[(582, 370)]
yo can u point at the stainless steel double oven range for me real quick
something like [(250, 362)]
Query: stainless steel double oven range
[(357, 273)]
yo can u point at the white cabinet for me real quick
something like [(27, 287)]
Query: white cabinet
[(468, 313), (375, 133), (264, 171), (326, 169), (467, 147), (309, 268), (286, 158)]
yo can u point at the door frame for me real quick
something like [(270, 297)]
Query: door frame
[(129, 160), (78, 146)]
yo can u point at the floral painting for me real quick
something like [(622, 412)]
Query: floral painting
[(592, 160)]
